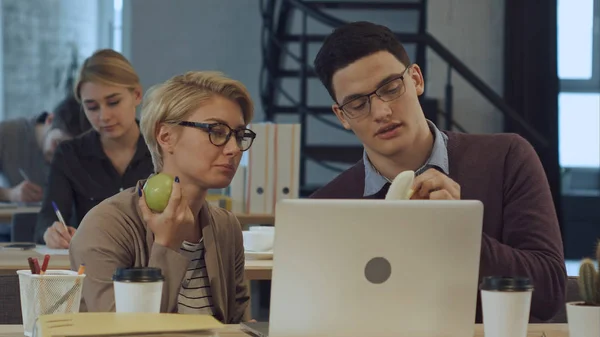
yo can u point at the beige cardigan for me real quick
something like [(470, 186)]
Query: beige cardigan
[(114, 235)]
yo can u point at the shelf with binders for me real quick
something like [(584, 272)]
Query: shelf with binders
[(268, 172), (221, 198)]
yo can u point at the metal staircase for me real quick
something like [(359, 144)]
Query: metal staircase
[(286, 60)]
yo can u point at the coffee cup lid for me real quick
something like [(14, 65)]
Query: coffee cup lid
[(138, 274), (506, 283)]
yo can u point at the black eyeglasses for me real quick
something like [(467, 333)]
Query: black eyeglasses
[(389, 91), (219, 134)]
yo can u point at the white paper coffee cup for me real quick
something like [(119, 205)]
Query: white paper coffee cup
[(138, 289), (506, 302)]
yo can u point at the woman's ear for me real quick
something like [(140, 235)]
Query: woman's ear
[(166, 137), (137, 95)]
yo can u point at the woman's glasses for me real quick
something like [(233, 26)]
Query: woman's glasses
[(219, 134)]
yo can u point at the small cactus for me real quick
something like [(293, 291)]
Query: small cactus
[(589, 281)]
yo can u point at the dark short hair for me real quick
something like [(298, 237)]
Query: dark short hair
[(41, 118), (351, 42), (69, 117)]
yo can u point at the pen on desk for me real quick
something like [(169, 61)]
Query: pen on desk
[(59, 216), (24, 175), (77, 284), (68, 295)]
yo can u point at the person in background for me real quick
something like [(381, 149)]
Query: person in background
[(195, 126), (27, 146), (375, 90), (26, 149), (110, 157)]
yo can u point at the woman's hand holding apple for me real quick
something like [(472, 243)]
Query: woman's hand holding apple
[(169, 225)]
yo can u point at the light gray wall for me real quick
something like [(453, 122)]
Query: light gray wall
[(170, 37), (37, 38)]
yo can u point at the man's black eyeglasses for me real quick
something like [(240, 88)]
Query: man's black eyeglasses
[(389, 91), (219, 133)]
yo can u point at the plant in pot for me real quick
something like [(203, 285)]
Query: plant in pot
[(584, 316)]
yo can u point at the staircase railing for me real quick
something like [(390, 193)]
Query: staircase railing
[(453, 62), (423, 38)]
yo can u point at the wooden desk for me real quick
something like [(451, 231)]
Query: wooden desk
[(255, 219), (259, 269), (538, 330), (13, 260), (6, 214)]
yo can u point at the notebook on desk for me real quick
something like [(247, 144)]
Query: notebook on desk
[(42, 249), (121, 324)]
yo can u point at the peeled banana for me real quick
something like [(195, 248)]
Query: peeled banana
[(401, 187)]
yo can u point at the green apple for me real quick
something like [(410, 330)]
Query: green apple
[(157, 191)]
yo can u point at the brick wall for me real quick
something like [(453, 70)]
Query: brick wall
[(38, 40)]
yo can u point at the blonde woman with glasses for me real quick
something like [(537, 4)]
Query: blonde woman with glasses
[(195, 127)]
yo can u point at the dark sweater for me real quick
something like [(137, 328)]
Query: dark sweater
[(521, 236)]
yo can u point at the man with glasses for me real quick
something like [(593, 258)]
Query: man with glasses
[(375, 90)]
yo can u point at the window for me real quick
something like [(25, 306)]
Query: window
[(579, 129), (578, 45), (117, 26), (579, 72)]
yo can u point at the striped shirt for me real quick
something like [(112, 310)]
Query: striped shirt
[(195, 296)]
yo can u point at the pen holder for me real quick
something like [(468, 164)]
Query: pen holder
[(55, 292)]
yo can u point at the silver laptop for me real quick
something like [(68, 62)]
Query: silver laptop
[(375, 268), (255, 329)]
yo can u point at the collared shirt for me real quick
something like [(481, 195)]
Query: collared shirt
[(82, 176), (374, 181)]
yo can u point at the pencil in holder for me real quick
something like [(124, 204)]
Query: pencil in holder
[(55, 292)]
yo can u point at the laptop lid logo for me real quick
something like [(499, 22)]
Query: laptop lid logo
[(378, 270)]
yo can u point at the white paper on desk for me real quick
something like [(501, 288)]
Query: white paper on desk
[(45, 250)]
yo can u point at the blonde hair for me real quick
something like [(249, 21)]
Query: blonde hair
[(173, 101), (108, 67)]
